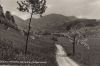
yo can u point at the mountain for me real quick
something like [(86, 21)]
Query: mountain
[(51, 23), (55, 23), (22, 24), (80, 23), (59, 23)]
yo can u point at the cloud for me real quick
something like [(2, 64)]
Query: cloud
[(49, 5), (21, 14), (83, 8)]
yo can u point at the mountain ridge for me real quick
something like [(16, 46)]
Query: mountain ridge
[(49, 22), (54, 23)]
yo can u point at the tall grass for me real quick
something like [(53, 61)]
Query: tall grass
[(10, 53)]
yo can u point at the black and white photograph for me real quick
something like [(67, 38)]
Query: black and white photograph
[(49, 32)]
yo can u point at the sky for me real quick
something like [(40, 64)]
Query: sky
[(79, 8)]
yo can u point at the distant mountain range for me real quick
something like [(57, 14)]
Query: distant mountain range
[(55, 23), (51, 23)]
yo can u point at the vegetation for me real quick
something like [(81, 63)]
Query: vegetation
[(36, 7), (41, 49), (77, 36), (70, 32), (9, 52), (7, 19)]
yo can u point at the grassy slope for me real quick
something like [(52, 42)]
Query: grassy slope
[(19, 40), (51, 23), (38, 47), (84, 56), (22, 24)]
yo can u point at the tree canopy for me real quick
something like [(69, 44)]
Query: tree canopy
[(34, 6)]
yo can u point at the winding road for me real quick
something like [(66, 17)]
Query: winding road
[(62, 58)]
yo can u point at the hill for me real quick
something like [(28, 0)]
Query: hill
[(22, 24), (60, 23), (52, 22), (80, 23)]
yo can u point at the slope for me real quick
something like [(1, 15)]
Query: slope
[(52, 22)]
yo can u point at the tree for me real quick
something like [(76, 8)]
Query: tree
[(2, 17), (32, 7), (77, 37), (8, 15), (13, 20), (81, 35), (10, 20)]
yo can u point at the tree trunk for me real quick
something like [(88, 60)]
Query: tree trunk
[(74, 48), (74, 45), (29, 28)]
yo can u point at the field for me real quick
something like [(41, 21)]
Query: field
[(43, 48), (13, 48)]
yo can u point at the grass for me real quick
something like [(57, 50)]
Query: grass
[(43, 49), (84, 56), (40, 49)]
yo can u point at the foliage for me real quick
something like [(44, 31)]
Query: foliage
[(7, 19), (33, 6), (80, 37), (8, 15)]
